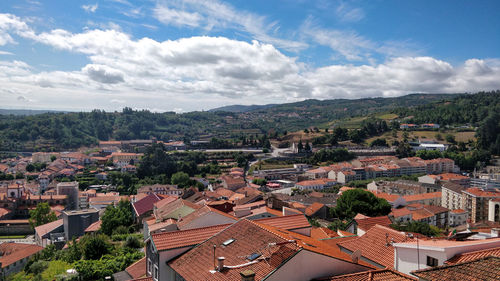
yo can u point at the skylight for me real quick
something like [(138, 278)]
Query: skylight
[(253, 256), (228, 241)]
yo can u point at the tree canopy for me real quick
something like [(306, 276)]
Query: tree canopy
[(355, 201), (114, 217), (42, 214)]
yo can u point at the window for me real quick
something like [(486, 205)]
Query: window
[(149, 267), (155, 275), (432, 261)]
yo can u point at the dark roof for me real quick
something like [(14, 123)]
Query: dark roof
[(484, 269), (454, 187), (145, 204)]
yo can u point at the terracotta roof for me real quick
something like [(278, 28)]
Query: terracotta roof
[(13, 252), (48, 227), (200, 213), (145, 204), (376, 244), (484, 269), (368, 223), (137, 269), (143, 279), (174, 205), (94, 226), (372, 275), (423, 196), (224, 192), (286, 222), (185, 238), (165, 201), (314, 182), (421, 214), (319, 233), (314, 208), (386, 196), (470, 256), (400, 212), (275, 246), (458, 211), (451, 176), (478, 192), (154, 226), (444, 243)]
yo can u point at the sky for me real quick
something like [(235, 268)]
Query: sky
[(186, 55)]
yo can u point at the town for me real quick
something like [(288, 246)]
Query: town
[(223, 213)]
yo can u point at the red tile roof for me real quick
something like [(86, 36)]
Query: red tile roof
[(13, 252), (137, 269), (174, 205), (275, 245), (145, 204), (286, 222), (314, 208), (165, 201), (200, 213), (470, 256), (368, 223), (185, 238), (477, 270), (375, 244), (423, 196), (478, 192), (48, 227), (94, 226), (319, 233), (372, 275)]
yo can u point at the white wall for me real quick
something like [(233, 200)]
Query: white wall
[(307, 265)]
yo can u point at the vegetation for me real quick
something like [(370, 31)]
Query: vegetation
[(355, 201), (42, 214), (417, 227), (115, 217)]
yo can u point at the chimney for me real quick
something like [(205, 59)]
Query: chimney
[(247, 275), (220, 263)]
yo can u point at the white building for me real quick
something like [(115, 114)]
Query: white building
[(458, 217), (410, 256)]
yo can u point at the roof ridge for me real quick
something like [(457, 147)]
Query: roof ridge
[(453, 265)]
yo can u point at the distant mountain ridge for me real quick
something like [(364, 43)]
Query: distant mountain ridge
[(26, 112), (237, 108)]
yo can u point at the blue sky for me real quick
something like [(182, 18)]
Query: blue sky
[(185, 55)]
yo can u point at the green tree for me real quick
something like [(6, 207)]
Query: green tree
[(42, 214), (181, 179), (260, 182), (95, 246), (417, 227), (355, 201), (114, 217), (450, 139), (379, 142), (336, 225)]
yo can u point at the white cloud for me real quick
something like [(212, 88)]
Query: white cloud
[(5, 53), (204, 72), (211, 15), (346, 13), (91, 8)]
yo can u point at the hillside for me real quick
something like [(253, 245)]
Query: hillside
[(71, 130), (242, 108)]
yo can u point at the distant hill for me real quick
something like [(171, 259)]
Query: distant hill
[(27, 111), (36, 130), (242, 108)]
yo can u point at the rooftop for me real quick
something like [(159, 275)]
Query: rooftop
[(376, 244), (145, 204), (423, 196), (185, 238), (367, 223), (286, 222), (477, 270), (372, 275), (470, 256), (48, 227), (13, 252)]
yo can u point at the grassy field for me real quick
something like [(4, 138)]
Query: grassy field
[(387, 116), (13, 237)]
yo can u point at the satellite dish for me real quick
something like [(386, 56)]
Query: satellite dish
[(356, 255)]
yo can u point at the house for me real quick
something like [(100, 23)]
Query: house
[(375, 246), (233, 184), (133, 272), (316, 209), (315, 184), (121, 159), (255, 251), (470, 256), (432, 198), (93, 228), (203, 217), (297, 223), (144, 207), (14, 256), (420, 254), (477, 270), (361, 224), (321, 172), (394, 200), (164, 189), (458, 217), (175, 209), (42, 232), (494, 210), (103, 201)]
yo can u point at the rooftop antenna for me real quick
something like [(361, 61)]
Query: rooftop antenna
[(215, 262)]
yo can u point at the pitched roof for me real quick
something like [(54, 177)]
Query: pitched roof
[(423, 196), (477, 270), (274, 246), (314, 208), (48, 227), (94, 226), (137, 269), (367, 223), (13, 252), (185, 238), (145, 204), (470, 256), (372, 275), (200, 213), (319, 233), (165, 201), (376, 245), (175, 205), (286, 222), (478, 192)]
